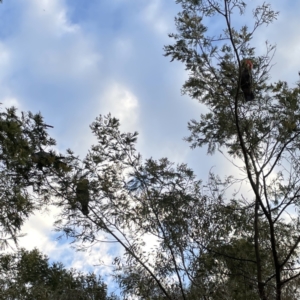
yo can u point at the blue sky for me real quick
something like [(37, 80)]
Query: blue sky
[(73, 60)]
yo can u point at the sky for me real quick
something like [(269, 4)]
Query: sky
[(73, 60)]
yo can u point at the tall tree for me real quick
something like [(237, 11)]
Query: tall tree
[(262, 134)]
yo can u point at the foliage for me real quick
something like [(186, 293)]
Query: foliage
[(21, 138), (199, 238), (29, 275), (204, 244), (29, 170), (184, 239), (263, 134)]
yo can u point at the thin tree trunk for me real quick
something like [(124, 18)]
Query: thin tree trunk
[(260, 284)]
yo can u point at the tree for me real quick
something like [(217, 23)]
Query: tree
[(127, 210), (22, 172), (263, 135), (206, 244), (192, 225), (28, 167), (29, 275)]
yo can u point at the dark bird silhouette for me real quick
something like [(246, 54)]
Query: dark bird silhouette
[(246, 80), (46, 159), (43, 159), (82, 195)]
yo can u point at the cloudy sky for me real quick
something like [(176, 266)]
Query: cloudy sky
[(73, 60)]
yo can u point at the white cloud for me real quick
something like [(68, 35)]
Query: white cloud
[(50, 65), (282, 33), (56, 49), (122, 104), (51, 15), (5, 57), (123, 48), (38, 230), (154, 15), (10, 101)]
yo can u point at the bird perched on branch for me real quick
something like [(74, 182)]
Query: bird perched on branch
[(46, 159), (82, 195), (246, 80), (43, 159)]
